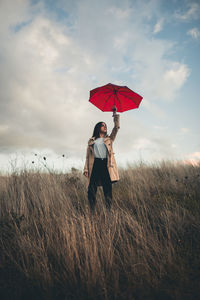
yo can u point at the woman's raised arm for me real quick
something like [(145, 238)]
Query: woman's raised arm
[(116, 126)]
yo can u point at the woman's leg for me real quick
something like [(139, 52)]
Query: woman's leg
[(107, 186), (92, 190)]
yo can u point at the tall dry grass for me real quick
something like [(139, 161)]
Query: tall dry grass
[(146, 247)]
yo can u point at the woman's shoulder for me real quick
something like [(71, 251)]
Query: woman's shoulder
[(91, 139)]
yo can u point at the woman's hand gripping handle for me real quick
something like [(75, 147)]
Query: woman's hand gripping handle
[(114, 109)]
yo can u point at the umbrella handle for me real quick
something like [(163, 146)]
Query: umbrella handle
[(114, 109)]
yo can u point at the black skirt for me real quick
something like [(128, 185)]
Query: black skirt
[(100, 174)]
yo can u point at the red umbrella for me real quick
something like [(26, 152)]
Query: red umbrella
[(112, 97)]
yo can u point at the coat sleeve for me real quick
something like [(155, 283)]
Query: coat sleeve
[(116, 127), (86, 160)]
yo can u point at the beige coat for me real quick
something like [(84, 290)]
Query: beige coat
[(111, 163)]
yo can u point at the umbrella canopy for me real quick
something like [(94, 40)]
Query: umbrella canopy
[(111, 95)]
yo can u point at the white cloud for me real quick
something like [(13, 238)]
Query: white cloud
[(153, 108), (12, 13), (193, 12), (142, 143), (160, 127), (43, 98), (160, 79), (185, 130), (174, 146), (158, 26), (174, 78), (194, 32), (119, 13)]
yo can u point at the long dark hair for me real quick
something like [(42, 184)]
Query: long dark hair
[(97, 128)]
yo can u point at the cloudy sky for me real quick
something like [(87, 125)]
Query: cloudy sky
[(54, 52)]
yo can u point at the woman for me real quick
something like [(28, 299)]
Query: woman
[(100, 165)]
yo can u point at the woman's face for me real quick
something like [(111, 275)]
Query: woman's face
[(103, 127)]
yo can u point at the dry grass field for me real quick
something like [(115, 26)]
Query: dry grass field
[(146, 247)]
